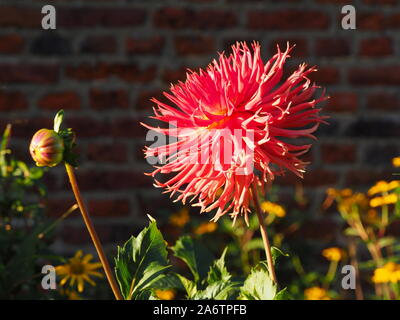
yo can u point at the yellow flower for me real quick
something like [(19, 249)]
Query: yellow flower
[(206, 227), (273, 208), (316, 293), (396, 162), (180, 218), (344, 193), (78, 270), (165, 294), (333, 254), (384, 200), (347, 203), (383, 186), (390, 272)]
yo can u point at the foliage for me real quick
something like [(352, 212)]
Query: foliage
[(142, 264), (22, 240)]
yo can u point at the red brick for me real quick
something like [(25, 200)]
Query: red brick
[(338, 153), (60, 100), (173, 75), (375, 76), (24, 127), (366, 177), (325, 75), (133, 73), (288, 20), (28, 73), (332, 47), (20, 17), (127, 127), (143, 101), (99, 44), (153, 45), (12, 101), (333, 1), (105, 17), (107, 152), (174, 18), (382, 101), (312, 178), (11, 43), (300, 49), (376, 47), (88, 71), (393, 21), (342, 102), (380, 2), (56, 207), (109, 208), (177, 18), (87, 127), (215, 19), (126, 72), (370, 21), (108, 99), (98, 180), (194, 45)]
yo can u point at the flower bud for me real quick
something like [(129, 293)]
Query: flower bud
[(47, 148)]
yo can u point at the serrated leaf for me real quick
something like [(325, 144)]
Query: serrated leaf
[(189, 285), (195, 255), (168, 281), (258, 285), (218, 270), (220, 290), (141, 262), (282, 295)]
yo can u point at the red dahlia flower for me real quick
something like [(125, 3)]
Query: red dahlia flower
[(229, 127)]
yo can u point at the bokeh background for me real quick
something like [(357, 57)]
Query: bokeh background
[(107, 58)]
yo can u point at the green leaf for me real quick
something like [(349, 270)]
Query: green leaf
[(141, 262), (282, 295), (168, 281), (58, 119), (276, 253), (218, 271), (189, 285), (258, 285), (220, 290), (386, 241), (195, 255)]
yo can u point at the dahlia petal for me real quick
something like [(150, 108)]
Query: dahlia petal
[(232, 114)]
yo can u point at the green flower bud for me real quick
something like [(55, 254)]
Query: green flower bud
[(47, 148)]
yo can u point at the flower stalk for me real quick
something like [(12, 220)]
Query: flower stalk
[(92, 231), (264, 235), (49, 148)]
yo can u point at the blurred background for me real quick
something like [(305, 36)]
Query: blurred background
[(107, 58)]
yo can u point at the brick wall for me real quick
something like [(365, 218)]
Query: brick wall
[(108, 57)]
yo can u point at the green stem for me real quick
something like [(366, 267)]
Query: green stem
[(264, 235), (92, 232)]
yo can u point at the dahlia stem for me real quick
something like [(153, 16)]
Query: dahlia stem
[(92, 232), (264, 234)]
